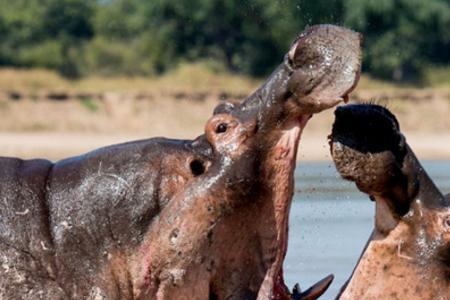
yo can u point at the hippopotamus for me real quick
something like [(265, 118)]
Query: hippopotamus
[(176, 219), (408, 253)]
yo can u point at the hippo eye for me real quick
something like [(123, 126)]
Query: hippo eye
[(221, 128)]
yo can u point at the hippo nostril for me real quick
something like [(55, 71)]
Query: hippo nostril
[(197, 167), (221, 128)]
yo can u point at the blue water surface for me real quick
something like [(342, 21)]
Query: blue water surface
[(330, 223)]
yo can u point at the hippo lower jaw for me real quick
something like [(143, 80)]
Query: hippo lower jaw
[(285, 160), (283, 163)]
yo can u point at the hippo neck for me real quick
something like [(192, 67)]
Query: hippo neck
[(392, 206), (427, 192), (387, 266), (430, 195)]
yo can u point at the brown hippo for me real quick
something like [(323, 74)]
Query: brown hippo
[(408, 253), (170, 219)]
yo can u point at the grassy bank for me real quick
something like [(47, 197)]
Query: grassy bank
[(42, 114)]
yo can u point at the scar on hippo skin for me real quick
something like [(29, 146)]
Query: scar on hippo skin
[(408, 253), (76, 228)]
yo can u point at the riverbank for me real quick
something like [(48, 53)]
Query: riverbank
[(313, 147), (43, 115)]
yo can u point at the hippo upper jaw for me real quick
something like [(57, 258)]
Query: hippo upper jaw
[(320, 70)]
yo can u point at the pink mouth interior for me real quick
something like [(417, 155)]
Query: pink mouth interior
[(285, 161)]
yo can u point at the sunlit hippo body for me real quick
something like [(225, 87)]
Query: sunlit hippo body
[(408, 253), (169, 219)]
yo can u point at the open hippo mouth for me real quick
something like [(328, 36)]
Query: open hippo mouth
[(408, 253), (320, 70), (240, 239)]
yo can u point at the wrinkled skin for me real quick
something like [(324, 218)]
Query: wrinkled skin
[(171, 219), (408, 253)]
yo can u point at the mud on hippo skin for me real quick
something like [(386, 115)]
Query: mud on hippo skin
[(408, 253), (86, 217)]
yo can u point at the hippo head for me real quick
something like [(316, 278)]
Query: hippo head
[(408, 254), (247, 173), (320, 70), (181, 251)]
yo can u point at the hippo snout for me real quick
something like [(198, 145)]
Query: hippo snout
[(410, 243)]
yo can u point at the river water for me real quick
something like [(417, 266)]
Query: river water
[(330, 223)]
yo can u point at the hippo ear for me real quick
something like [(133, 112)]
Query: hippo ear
[(326, 61), (225, 107)]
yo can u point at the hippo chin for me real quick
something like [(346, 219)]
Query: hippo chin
[(408, 253), (170, 219)]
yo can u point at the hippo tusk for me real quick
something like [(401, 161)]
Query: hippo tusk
[(315, 291)]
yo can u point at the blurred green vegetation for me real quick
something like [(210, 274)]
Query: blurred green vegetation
[(403, 38)]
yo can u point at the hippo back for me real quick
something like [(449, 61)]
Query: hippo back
[(23, 208), (102, 203), (25, 241), (62, 225)]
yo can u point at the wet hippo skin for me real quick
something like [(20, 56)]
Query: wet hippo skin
[(408, 253), (170, 219), (61, 219)]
